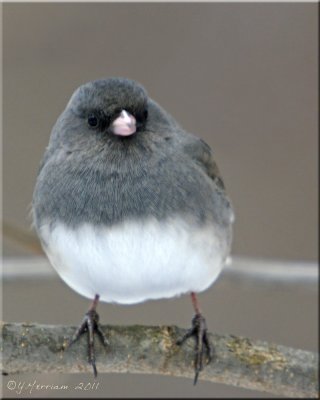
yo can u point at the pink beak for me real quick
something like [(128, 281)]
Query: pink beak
[(124, 125)]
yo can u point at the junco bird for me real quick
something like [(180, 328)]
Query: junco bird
[(130, 207)]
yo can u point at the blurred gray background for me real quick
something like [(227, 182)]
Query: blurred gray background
[(241, 76)]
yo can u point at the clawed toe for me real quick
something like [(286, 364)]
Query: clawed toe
[(90, 324), (202, 345)]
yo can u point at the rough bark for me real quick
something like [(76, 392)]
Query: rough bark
[(237, 361)]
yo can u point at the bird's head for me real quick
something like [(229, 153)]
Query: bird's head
[(116, 106)]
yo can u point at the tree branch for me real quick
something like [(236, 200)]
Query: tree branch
[(152, 350)]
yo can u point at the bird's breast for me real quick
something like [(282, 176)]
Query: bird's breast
[(111, 194)]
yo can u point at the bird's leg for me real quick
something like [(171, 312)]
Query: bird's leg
[(90, 324), (199, 332)]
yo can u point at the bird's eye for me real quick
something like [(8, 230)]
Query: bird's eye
[(145, 114), (93, 120)]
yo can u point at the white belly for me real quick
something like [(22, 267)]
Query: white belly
[(132, 262)]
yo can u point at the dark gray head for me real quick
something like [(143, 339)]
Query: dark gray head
[(113, 109), (111, 105)]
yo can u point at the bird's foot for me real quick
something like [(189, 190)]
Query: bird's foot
[(90, 324), (199, 332)]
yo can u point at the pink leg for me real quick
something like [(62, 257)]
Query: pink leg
[(195, 303)]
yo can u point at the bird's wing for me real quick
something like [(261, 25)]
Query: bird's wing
[(202, 154)]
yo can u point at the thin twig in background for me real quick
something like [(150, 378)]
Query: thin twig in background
[(242, 269), (237, 361)]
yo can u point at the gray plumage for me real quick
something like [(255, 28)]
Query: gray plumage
[(91, 175)]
